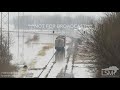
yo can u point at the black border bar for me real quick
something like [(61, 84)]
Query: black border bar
[(93, 9)]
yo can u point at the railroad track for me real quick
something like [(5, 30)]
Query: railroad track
[(68, 68), (47, 65), (51, 68), (55, 66)]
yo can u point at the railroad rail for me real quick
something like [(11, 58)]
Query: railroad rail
[(46, 65)]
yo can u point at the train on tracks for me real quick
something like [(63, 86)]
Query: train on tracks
[(60, 43)]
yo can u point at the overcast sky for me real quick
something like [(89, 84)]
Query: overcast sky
[(96, 14), (65, 13)]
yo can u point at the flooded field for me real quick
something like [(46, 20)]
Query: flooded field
[(36, 51)]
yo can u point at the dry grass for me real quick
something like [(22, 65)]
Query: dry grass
[(41, 53), (44, 49), (34, 38)]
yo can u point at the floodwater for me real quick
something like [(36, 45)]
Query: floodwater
[(25, 51)]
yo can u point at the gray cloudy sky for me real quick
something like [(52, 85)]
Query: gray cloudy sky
[(96, 14), (66, 13)]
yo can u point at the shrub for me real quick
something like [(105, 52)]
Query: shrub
[(5, 58), (105, 41)]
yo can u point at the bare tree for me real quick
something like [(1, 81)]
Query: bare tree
[(5, 58), (105, 41)]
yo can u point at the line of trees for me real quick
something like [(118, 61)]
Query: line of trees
[(24, 21)]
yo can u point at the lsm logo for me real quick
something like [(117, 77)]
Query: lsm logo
[(110, 72)]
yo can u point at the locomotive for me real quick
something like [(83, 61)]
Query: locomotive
[(60, 43)]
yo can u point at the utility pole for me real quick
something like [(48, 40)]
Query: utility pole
[(18, 36), (21, 28), (8, 34), (1, 34), (23, 37), (5, 26), (53, 41)]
